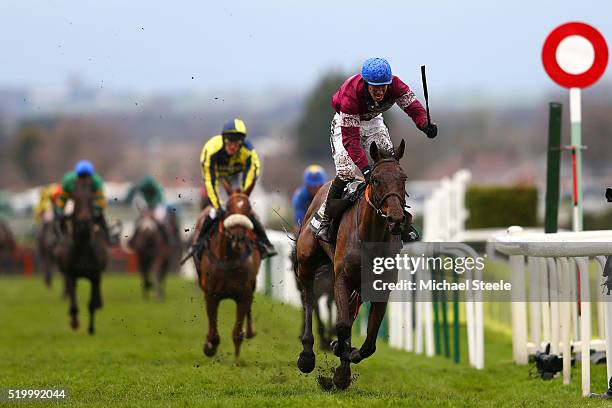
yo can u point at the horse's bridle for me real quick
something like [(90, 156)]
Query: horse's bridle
[(377, 204)]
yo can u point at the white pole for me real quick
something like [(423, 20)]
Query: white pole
[(585, 327), (519, 309), (576, 119)]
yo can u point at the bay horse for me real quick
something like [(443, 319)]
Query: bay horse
[(228, 270), (83, 252), (7, 244), (47, 241), (153, 251), (377, 216)]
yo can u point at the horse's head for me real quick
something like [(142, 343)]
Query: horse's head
[(237, 224), (387, 186), (82, 216)]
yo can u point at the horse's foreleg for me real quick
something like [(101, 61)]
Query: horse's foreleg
[(212, 338), (73, 308), (242, 309), (250, 331), (375, 318), (95, 302), (342, 349), (306, 361)]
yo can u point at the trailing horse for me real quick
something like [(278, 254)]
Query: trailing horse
[(153, 251), (377, 216), (47, 241), (228, 269), (7, 244), (83, 252)]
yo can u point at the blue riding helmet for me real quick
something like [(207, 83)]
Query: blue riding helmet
[(376, 71), (84, 168), (314, 176)]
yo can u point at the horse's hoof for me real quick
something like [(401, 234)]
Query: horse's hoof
[(209, 349), (91, 330), (251, 334), (306, 362), (342, 376), (74, 324), (355, 356)]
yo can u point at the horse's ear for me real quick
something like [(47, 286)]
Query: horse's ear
[(374, 152), (249, 189), (399, 152), (227, 187)]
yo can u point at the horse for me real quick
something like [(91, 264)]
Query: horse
[(83, 252), (377, 216), (228, 269), (153, 251), (7, 243), (46, 245)]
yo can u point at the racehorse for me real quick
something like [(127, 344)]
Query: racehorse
[(83, 252), (377, 216), (7, 243), (46, 246), (153, 251), (228, 269)]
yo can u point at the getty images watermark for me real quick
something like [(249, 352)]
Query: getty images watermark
[(421, 271)]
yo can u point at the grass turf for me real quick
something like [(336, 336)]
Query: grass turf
[(149, 353)]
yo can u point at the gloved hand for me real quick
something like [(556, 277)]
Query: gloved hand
[(431, 130), (367, 172), (609, 194)]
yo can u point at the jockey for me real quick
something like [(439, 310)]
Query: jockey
[(84, 168), (228, 156), (47, 202), (153, 194), (314, 178), (359, 104)]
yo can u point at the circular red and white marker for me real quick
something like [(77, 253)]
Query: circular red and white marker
[(575, 55)]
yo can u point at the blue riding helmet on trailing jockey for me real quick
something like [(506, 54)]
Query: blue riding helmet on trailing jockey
[(314, 176), (234, 130), (84, 168), (376, 71)]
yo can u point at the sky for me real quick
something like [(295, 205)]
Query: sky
[(484, 46)]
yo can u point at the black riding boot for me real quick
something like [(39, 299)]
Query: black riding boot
[(265, 246), (199, 244), (334, 193)]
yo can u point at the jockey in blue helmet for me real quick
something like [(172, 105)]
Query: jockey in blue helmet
[(314, 178)]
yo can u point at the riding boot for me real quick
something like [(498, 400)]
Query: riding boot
[(335, 192), (265, 246), (198, 244)]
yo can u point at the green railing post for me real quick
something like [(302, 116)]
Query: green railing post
[(553, 167)]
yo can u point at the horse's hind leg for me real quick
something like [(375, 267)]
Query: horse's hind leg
[(375, 318), (95, 302), (342, 349), (212, 338), (73, 309), (323, 340), (242, 309), (306, 361)]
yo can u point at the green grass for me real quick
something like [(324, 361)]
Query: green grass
[(149, 354)]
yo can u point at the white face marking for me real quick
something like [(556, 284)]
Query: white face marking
[(240, 204)]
